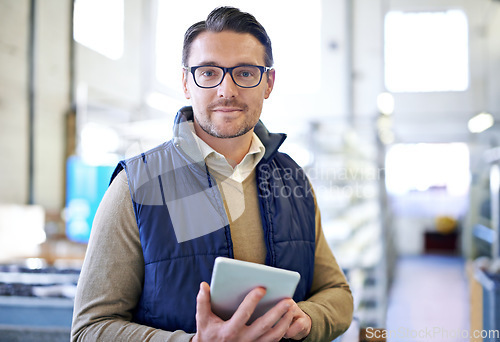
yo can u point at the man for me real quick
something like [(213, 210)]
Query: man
[(218, 188)]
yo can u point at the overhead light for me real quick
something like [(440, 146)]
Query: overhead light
[(164, 103), (480, 122), (385, 103)]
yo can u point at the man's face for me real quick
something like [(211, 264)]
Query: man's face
[(227, 110)]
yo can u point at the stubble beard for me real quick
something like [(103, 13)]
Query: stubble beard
[(212, 130), (209, 127)]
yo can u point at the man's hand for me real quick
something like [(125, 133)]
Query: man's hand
[(301, 323), (284, 320)]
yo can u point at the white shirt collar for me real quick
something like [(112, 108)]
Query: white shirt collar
[(218, 162)]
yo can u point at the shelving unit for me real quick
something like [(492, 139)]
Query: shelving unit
[(486, 234), (349, 181), (483, 217)]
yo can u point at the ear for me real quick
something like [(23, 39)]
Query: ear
[(185, 75), (270, 83)]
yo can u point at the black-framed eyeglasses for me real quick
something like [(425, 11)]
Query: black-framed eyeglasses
[(244, 76)]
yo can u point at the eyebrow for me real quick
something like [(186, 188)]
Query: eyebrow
[(219, 65)]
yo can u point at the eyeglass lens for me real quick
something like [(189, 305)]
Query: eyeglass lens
[(244, 76)]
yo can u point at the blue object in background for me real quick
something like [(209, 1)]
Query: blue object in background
[(86, 185)]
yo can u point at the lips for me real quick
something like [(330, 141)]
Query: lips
[(227, 109), (227, 106)]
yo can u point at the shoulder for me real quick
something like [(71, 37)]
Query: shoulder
[(137, 159), (121, 179), (166, 146), (289, 165), (284, 158), (119, 185)]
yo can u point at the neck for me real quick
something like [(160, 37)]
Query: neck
[(233, 149)]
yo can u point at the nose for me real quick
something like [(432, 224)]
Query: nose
[(227, 88)]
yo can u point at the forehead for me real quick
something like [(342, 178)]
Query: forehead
[(226, 48)]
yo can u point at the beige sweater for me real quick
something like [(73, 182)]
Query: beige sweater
[(110, 284)]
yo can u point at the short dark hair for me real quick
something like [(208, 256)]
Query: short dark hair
[(231, 19)]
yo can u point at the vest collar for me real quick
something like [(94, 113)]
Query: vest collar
[(271, 141)]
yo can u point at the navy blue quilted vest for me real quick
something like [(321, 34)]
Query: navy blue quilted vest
[(183, 226)]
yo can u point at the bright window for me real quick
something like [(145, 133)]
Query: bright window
[(99, 26), (293, 62), (423, 167), (426, 51)]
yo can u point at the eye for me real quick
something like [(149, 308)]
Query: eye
[(208, 72), (246, 72)]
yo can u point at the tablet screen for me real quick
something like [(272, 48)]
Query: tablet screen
[(233, 279)]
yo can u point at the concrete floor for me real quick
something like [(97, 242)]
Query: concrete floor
[(429, 300)]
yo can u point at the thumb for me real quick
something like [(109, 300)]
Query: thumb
[(203, 309)]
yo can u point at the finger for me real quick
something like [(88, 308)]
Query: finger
[(279, 328), (272, 316), (272, 322), (297, 330), (301, 324), (203, 309), (247, 307)]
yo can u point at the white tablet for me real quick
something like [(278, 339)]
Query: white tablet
[(233, 279)]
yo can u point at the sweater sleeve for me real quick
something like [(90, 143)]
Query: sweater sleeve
[(330, 305), (111, 279)]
